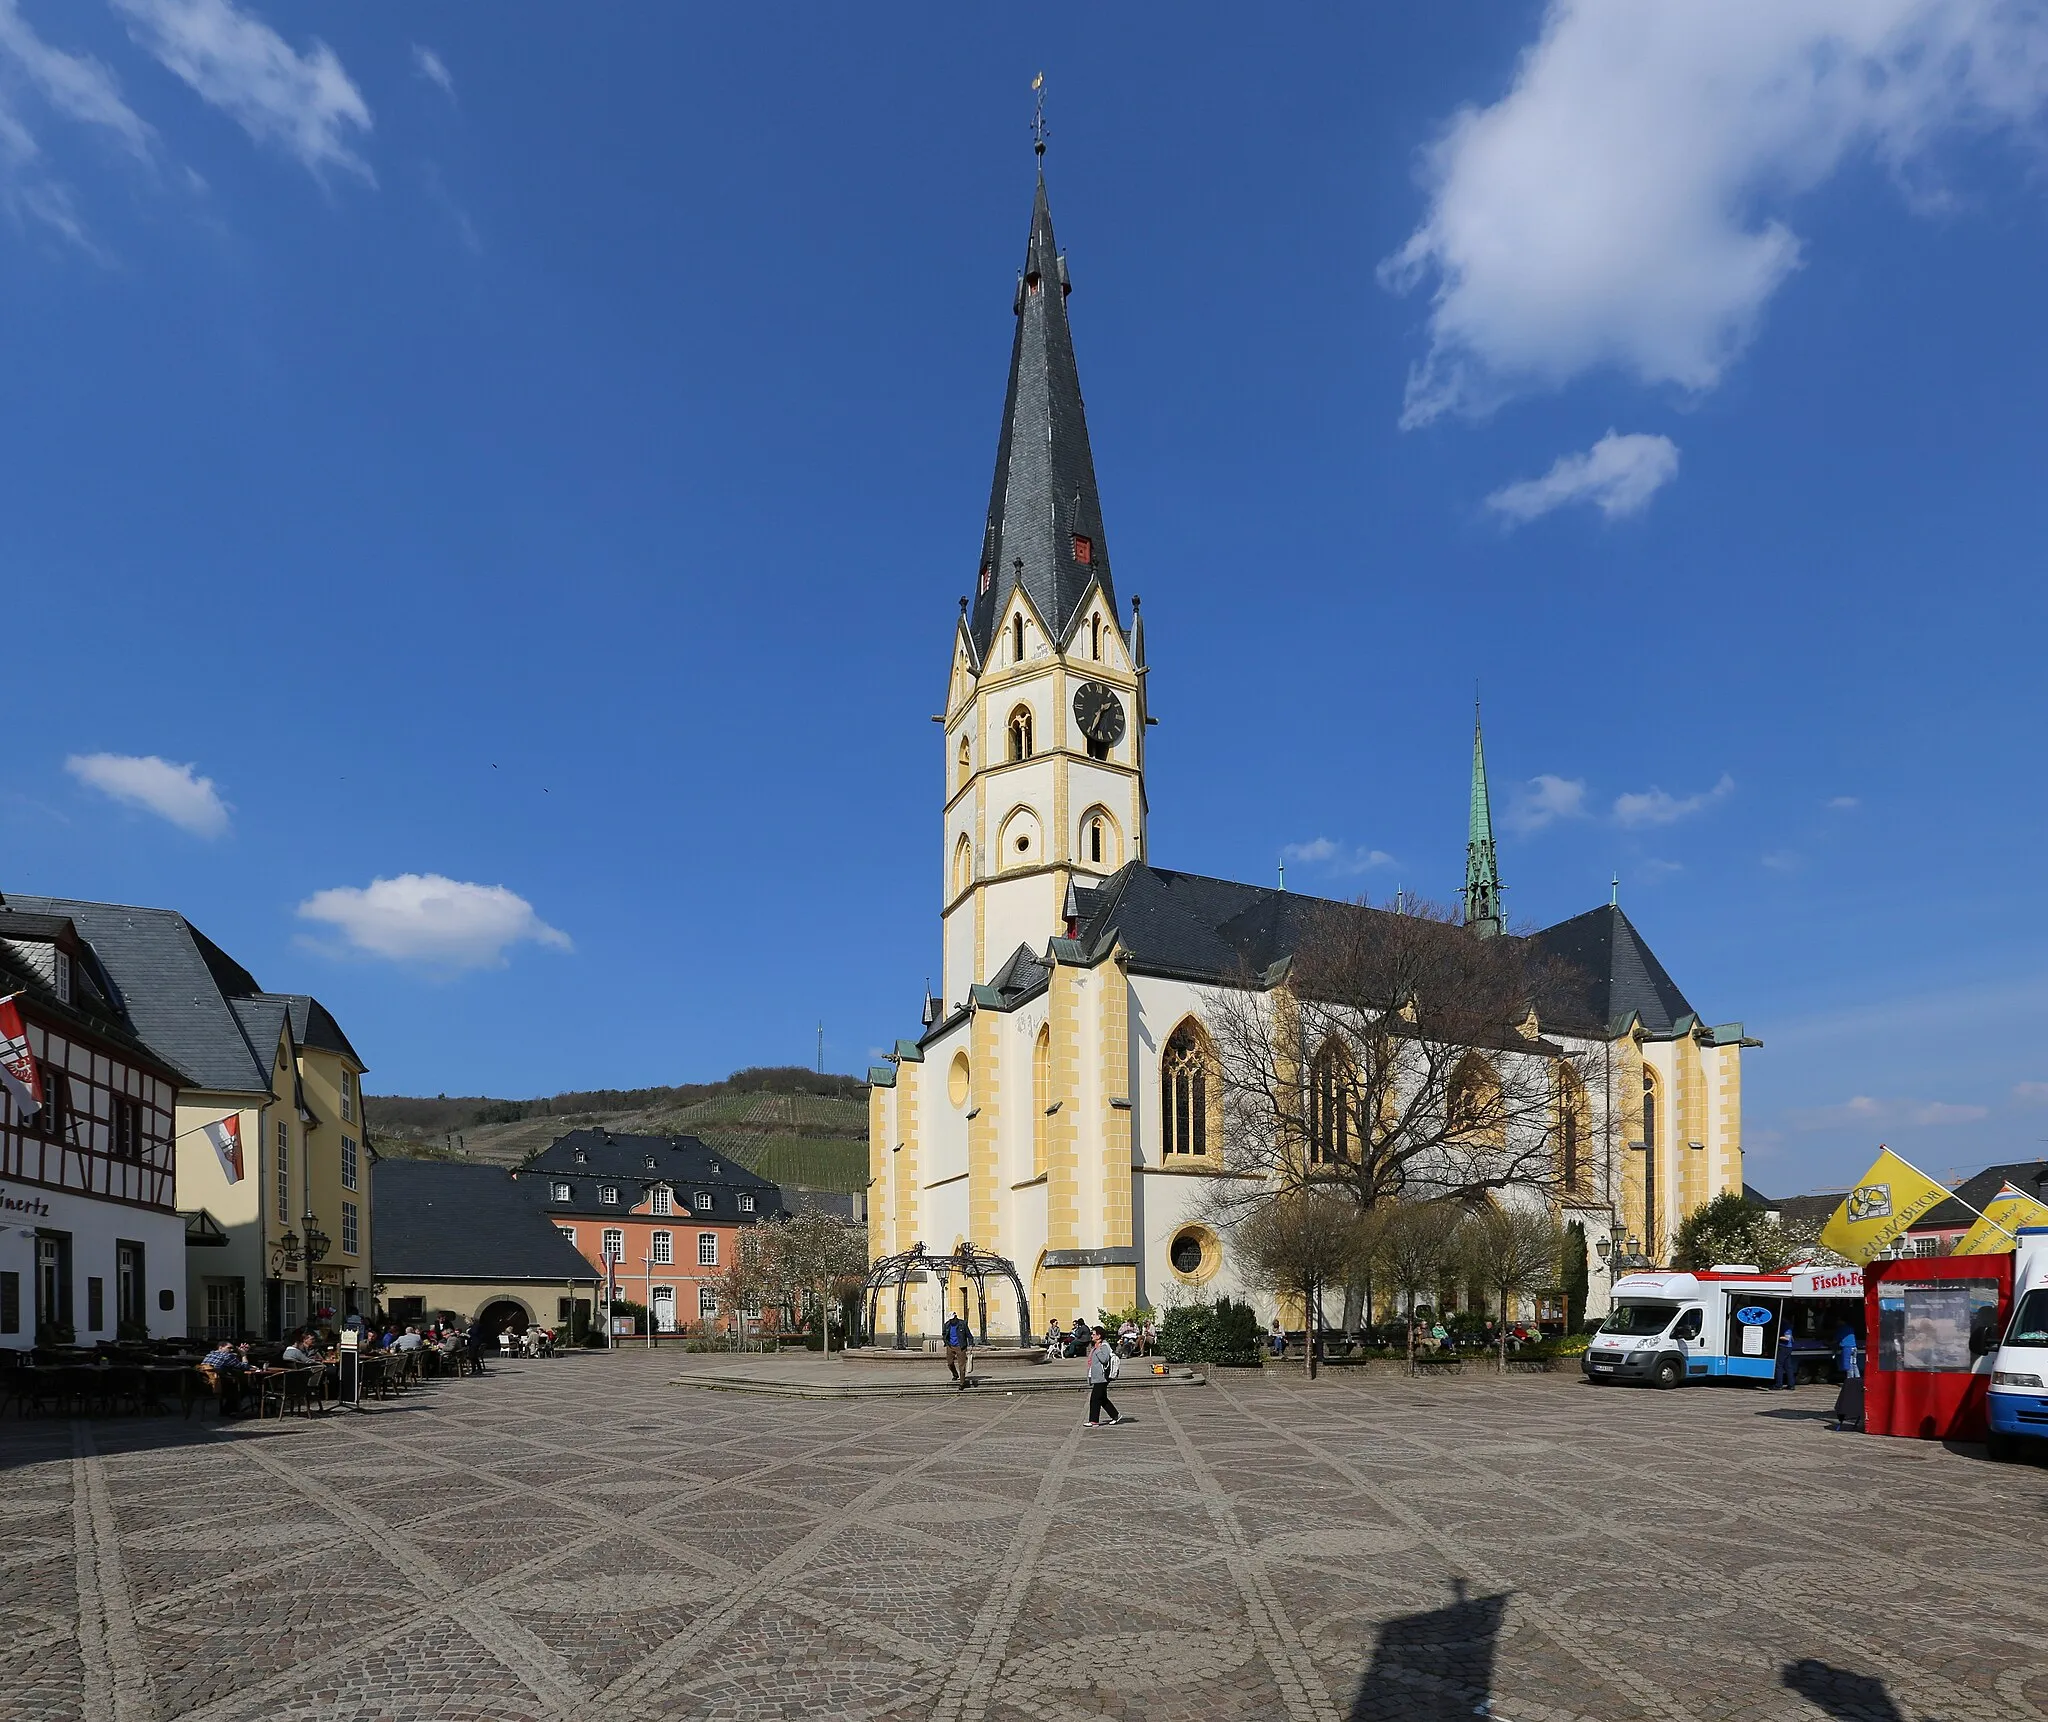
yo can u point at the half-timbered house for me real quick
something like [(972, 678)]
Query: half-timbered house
[(91, 1243)]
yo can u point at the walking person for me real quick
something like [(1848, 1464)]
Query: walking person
[(1787, 1376), (1102, 1370), (958, 1336)]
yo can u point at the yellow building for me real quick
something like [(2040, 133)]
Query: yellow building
[(1056, 1109), (270, 1139)]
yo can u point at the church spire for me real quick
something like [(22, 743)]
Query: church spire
[(1482, 864), (1044, 529)]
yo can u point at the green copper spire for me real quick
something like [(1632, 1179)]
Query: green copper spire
[(1482, 864)]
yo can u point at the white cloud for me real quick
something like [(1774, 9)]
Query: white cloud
[(1544, 800), (1618, 475), (1654, 806), (305, 104), (72, 86), (429, 65), (1328, 856), (1783, 860), (1843, 804), (2030, 1093), (1653, 869), (172, 792), (1623, 204), (422, 917), (1866, 1110)]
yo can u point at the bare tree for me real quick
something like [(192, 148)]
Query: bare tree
[(1513, 1251), (817, 1256), (1299, 1243), (1396, 1055), (1413, 1243)]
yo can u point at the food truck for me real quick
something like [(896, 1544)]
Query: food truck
[(1723, 1323), (2016, 1400)]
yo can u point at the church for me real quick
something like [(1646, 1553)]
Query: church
[(1059, 1106)]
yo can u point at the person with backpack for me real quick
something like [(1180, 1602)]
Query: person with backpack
[(1103, 1368), (958, 1336)]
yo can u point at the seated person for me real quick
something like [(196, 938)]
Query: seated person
[(409, 1340), (227, 1365), (1079, 1339), (303, 1351)]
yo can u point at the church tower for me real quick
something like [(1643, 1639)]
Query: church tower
[(1045, 708)]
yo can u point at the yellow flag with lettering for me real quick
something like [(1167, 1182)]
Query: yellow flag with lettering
[(1890, 1198), (1996, 1228)]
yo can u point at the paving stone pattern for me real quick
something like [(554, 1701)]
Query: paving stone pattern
[(583, 1538)]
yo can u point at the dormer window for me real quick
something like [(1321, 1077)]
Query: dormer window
[(608, 1194), (746, 1204), (662, 1204), (1084, 551), (561, 1192), (60, 974), (702, 1201), (650, 1162)]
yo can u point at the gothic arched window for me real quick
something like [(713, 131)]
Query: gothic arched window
[(1184, 1092), (1649, 1109), (1016, 639), (1101, 842), (1020, 730), (963, 864), (1331, 1105), (965, 760), (1095, 638), (1473, 1100), (1571, 1129)]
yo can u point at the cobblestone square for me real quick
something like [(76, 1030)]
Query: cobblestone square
[(584, 1538)]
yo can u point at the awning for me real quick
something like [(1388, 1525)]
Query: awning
[(203, 1231)]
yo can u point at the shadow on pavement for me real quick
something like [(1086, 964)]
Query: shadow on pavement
[(1431, 1667), (1838, 1691)]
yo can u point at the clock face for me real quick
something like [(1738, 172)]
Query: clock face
[(1099, 713)]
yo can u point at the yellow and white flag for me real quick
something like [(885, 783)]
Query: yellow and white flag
[(1891, 1196), (1997, 1227)]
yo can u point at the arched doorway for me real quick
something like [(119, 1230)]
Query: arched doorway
[(503, 1316)]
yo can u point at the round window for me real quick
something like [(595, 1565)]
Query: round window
[(956, 1080), (1186, 1253)]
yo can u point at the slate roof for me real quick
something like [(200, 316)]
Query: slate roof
[(1623, 974), (188, 998), (451, 1219), (1191, 927), (608, 1158), (93, 1007), (2028, 1176), (1044, 495)]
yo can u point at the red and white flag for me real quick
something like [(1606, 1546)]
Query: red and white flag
[(18, 1074), (226, 1136)]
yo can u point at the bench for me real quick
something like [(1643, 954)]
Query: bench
[(1448, 1362)]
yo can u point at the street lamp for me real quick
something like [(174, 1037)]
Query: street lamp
[(317, 1243)]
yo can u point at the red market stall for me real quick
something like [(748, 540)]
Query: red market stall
[(1934, 1320)]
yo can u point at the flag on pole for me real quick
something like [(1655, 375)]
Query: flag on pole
[(18, 1074), (1877, 1212), (1994, 1232), (226, 1136)]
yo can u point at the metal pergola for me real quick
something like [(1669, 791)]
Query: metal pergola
[(915, 1266)]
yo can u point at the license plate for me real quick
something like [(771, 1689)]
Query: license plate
[(1603, 1369)]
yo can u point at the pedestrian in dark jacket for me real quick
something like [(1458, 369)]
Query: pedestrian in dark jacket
[(958, 1336), (1101, 1360)]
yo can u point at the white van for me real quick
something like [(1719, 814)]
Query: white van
[(1723, 1323), (2016, 1407)]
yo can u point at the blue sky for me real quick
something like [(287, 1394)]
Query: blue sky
[(527, 473)]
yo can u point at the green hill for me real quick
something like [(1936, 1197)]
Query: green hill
[(798, 1127)]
